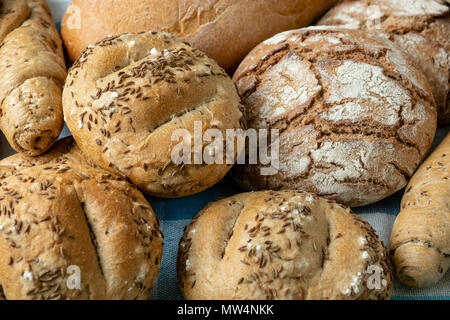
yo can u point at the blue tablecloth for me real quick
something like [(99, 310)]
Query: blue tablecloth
[(175, 214)]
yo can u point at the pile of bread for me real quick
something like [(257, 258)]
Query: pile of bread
[(356, 101)]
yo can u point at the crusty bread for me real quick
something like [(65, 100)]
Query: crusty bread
[(355, 117), (421, 28), (224, 29), (125, 97), (57, 218), (281, 245), (63, 152), (32, 69), (420, 241)]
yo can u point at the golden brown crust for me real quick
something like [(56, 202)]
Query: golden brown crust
[(421, 28), (420, 241), (79, 216), (126, 96), (12, 14), (281, 245), (226, 30), (63, 152), (32, 62), (355, 117)]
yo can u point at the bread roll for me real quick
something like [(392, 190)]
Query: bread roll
[(420, 241), (75, 232), (126, 97), (63, 152), (421, 28), (226, 30), (355, 117), (281, 245), (32, 70)]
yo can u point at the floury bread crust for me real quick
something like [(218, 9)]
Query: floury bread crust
[(281, 245), (32, 69), (125, 97), (420, 27), (420, 241), (355, 117), (79, 216), (226, 30)]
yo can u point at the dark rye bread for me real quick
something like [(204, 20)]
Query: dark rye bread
[(355, 117), (281, 245), (421, 28), (57, 215), (125, 97)]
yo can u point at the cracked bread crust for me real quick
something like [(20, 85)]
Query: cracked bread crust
[(420, 241), (125, 98), (281, 245), (355, 117), (421, 28), (225, 30), (83, 217)]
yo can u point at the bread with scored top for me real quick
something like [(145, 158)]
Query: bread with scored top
[(284, 245), (128, 98), (71, 231)]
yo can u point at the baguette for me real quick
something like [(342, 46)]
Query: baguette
[(420, 241), (33, 71)]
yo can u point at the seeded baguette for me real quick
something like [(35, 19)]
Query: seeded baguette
[(55, 217), (421, 28), (32, 69), (226, 30), (420, 241), (281, 245), (355, 117), (127, 95)]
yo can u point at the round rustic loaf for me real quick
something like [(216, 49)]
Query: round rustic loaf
[(355, 117), (281, 245), (97, 236), (421, 28), (226, 30), (125, 98)]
